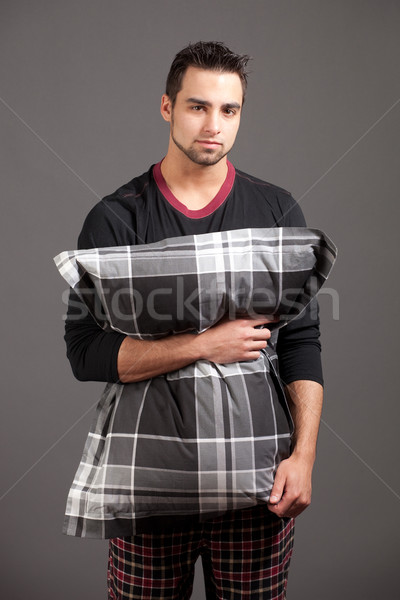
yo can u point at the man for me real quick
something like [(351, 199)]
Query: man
[(194, 190)]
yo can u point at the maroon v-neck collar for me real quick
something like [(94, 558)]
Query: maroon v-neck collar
[(215, 203)]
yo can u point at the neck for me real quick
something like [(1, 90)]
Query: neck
[(181, 172)]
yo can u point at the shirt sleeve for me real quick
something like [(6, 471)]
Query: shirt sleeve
[(299, 346), (91, 351)]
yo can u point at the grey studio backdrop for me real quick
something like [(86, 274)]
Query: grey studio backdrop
[(79, 113)]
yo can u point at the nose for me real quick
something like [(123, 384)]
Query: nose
[(212, 125)]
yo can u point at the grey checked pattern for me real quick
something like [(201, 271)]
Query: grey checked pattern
[(207, 438)]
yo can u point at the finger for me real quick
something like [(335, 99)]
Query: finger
[(277, 489), (291, 512), (264, 320), (253, 356), (281, 513), (290, 506), (285, 508), (259, 345), (256, 320), (261, 334)]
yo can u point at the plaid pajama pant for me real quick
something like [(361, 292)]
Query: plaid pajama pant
[(245, 554)]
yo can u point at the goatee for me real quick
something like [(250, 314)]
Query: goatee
[(206, 156)]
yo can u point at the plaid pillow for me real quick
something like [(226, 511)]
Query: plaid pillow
[(191, 282), (206, 438)]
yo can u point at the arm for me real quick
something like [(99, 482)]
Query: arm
[(226, 342), (291, 492), (96, 355), (299, 352)]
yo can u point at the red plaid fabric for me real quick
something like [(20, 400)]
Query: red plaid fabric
[(245, 554)]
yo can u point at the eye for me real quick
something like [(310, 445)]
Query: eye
[(230, 112), (198, 107)]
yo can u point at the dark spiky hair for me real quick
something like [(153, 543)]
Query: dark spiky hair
[(214, 56)]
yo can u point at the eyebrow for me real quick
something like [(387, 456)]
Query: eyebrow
[(207, 103)]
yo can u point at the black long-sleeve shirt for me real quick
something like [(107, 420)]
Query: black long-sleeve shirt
[(144, 211)]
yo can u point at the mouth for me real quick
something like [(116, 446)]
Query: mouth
[(209, 143)]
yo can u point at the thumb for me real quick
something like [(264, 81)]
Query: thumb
[(277, 490)]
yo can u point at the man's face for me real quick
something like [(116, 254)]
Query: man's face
[(206, 115)]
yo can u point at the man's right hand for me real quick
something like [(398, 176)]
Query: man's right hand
[(232, 341)]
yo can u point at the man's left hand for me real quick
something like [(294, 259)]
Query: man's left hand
[(291, 493)]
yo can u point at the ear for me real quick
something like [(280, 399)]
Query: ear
[(166, 107)]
